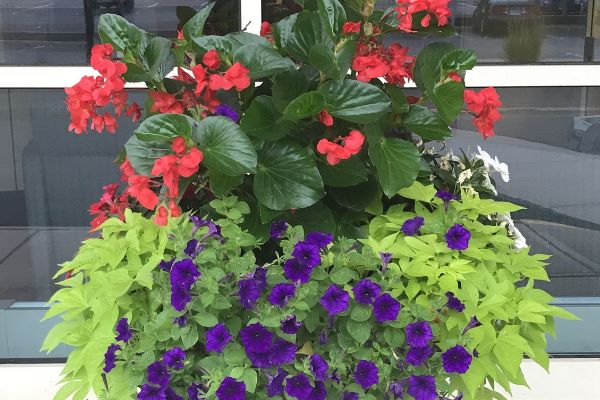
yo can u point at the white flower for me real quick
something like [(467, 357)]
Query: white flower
[(520, 241), (493, 164), (465, 176)]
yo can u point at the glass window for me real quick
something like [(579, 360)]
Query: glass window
[(60, 32), (502, 31)]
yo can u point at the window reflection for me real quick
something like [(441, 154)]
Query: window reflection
[(59, 32)]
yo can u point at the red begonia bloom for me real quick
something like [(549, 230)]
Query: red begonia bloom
[(351, 27), (109, 205), (174, 209), (369, 67), (201, 76), (189, 163), (325, 118), (166, 166), (101, 61), (434, 8), (184, 76), (266, 29), (211, 59), (134, 112), (178, 145), (335, 152), (400, 65), (162, 216), (127, 170), (354, 141), (455, 77), (484, 106), (110, 123), (139, 188), (165, 103), (238, 75)]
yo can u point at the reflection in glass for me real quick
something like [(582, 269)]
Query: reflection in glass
[(59, 32)]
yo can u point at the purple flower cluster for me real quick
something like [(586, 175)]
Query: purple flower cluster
[(278, 229), (366, 374), (159, 378), (230, 389), (281, 294), (335, 300), (385, 307), (110, 357), (264, 349), (124, 333), (446, 197), (306, 256), (225, 110), (422, 387), (217, 338), (456, 359), (457, 237), (183, 276), (214, 230), (411, 227), (251, 288), (454, 303), (193, 248), (289, 325)]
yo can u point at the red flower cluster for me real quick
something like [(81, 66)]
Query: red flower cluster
[(335, 152), (93, 93), (109, 205), (266, 30), (484, 106), (433, 8), (351, 27), (373, 61)]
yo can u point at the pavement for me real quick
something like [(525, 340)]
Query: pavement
[(569, 379)]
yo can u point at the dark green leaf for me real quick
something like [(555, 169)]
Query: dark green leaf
[(360, 331), (119, 32), (287, 177), (355, 101), (221, 184), (323, 58), (399, 102), (158, 58), (345, 56), (457, 60), (397, 163), (426, 123), (243, 38), (195, 26), (264, 121), (205, 319), (356, 197), (287, 86), (283, 29), (316, 218), (306, 105), (332, 15), (184, 14), (261, 60), (449, 100), (142, 154), (226, 147), (360, 312), (165, 127), (426, 72), (268, 215), (219, 43), (347, 173), (305, 33)]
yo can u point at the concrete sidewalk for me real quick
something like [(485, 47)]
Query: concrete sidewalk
[(569, 379)]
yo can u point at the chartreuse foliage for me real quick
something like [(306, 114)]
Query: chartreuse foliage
[(116, 276), (269, 158)]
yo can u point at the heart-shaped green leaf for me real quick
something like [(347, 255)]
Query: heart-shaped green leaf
[(347, 173), (264, 121), (165, 127), (195, 26), (142, 154), (397, 163), (323, 58), (426, 123), (333, 15), (355, 101), (261, 60), (306, 105)]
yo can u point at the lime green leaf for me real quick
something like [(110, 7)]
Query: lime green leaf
[(205, 319), (360, 312), (418, 191)]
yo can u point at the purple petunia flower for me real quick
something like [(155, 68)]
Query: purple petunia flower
[(166, 265), (174, 358), (282, 352), (319, 239), (214, 230), (397, 389), (454, 303), (194, 390), (319, 392), (335, 300), (366, 291), (411, 227), (225, 110), (366, 374), (289, 325), (386, 308), (256, 338), (422, 387), (298, 386), (281, 294), (123, 330), (260, 277), (217, 338), (418, 355), (248, 293), (473, 323), (259, 359), (278, 228), (171, 395), (158, 374), (230, 389), (110, 357), (181, 321), (456, 359), (350, 396), (386, 258), (318, 367), (295, 271), (419, 334), (458, 237), (184, 273), (275, 383), (307, 254), (324, 337), (149, 392), (180, 297), (193, 248), (446, 197)]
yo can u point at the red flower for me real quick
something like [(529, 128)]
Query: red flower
[(101, 61), (189, 163), (434, 8), (266, 29), (369, 67), (201, 75), (165, 103), (174, 209), (134, 111), (351, 27), (484, 106), (110, 123), (126, 170), (400, 65), (335, 152), (178, 145), (109, 204), (325, 118), (184, 76), (139, 188), (180, 34), (237, 74), (211, 59), (167, 167), (162, 216), (455, 77)]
